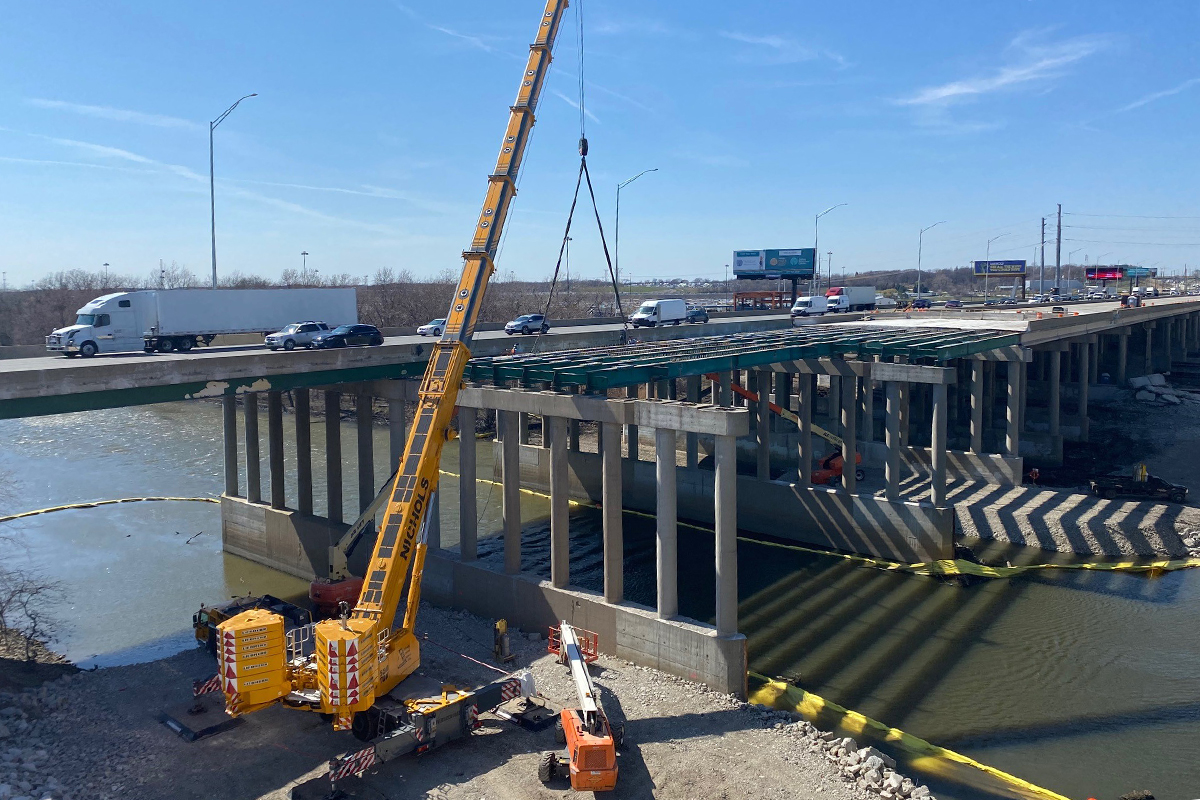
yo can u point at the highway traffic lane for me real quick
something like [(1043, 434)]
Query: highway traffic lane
[(61, 362)]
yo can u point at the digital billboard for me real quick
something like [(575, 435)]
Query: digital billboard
[(1000, 267), (796, 263), (1105, 273)]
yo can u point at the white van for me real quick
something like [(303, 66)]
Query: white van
[(810, 306), (659, 312)]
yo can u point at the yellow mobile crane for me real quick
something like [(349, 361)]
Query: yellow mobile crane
[(364, 655)]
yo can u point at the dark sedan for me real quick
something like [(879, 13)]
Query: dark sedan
[(349, 336)]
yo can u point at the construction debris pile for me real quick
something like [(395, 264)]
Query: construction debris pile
[(867, 768), (1155, 389)]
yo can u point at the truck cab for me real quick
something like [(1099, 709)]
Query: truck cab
[(110, 324)]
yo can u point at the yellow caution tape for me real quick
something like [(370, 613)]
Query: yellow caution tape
[(95, 503), (786, 697)]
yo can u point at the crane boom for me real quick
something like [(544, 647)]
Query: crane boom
[(364, 655)]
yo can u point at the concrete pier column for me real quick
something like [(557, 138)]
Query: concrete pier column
[(1093, 375), (631, 431), (976, 406), (866, 431), (1149, 348), (229, 429), (610, 499), (891, 391), (904, 412), (668, 532), (1055, 394), (560, 531), (1012, 434), (468, 510), (397, 432), (510, 478), (523, 427), (1085, 362), (805, 447), (573, 435), (849, 432), (275, 447), (989, 396), (835, 402), (762, 387), (1122, 355), (304, 483), (253, 461), (333, 456), (783, 391), (725, 517), (366, 450), (725, 390), (692, 445), (938, 446)]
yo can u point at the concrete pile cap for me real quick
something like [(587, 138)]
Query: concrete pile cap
[(614, 367)]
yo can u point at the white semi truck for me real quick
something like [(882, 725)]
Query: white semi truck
[(851, 298), (180, 319)]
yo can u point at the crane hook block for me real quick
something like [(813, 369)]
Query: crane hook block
[(583, 146)]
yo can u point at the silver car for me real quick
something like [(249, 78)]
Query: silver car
[(297, 334)]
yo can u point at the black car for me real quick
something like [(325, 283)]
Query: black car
[(921, 302), (349, 336), (1109, 486), (697, 314), (954, 304)]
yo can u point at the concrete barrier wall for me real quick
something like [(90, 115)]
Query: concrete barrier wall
[(677, 646), (962, 466), (815, 515), (282, 539)]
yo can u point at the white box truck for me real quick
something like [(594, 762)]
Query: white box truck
[(851, 298), (659, 312), (180, 319), (810, 306)]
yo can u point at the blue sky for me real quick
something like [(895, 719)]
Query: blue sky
[(377, 122)]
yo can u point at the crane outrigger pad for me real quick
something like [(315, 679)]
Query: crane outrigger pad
[(204, 716)]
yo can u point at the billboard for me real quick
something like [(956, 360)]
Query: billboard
[(1000, 267), (1141, 272), (795, 263), (1105, 273)]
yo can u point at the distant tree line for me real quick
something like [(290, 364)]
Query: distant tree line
[(389, 298)]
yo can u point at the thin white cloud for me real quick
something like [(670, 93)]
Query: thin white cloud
[(1036, 63), (477, 42), (573, 104), (104, 150), (196, 178), (775, 49), (115, 114), (51, 163), (1150, 98), (367, 191)]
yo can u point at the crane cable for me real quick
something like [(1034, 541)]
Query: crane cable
[(583, 173)]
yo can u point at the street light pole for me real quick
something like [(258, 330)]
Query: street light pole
[(303, 260), (212, 195), (987, 266), (617, 224), (920, 244), (816, 243), (1071, 260)]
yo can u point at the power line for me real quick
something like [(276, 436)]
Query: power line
[(1122, 216), (1145, 244)]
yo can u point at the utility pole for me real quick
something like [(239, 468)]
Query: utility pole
[(1058, 254), (1042, 278)]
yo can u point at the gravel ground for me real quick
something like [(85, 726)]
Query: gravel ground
[(95, 735)]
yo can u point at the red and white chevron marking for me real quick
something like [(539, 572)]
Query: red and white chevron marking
[(472, 717), (354, 764), (213, 684), (510, 690)]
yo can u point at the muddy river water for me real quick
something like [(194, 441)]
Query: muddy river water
[(1084, 683)]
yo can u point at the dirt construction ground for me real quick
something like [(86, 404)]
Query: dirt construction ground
[(96, 735)]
